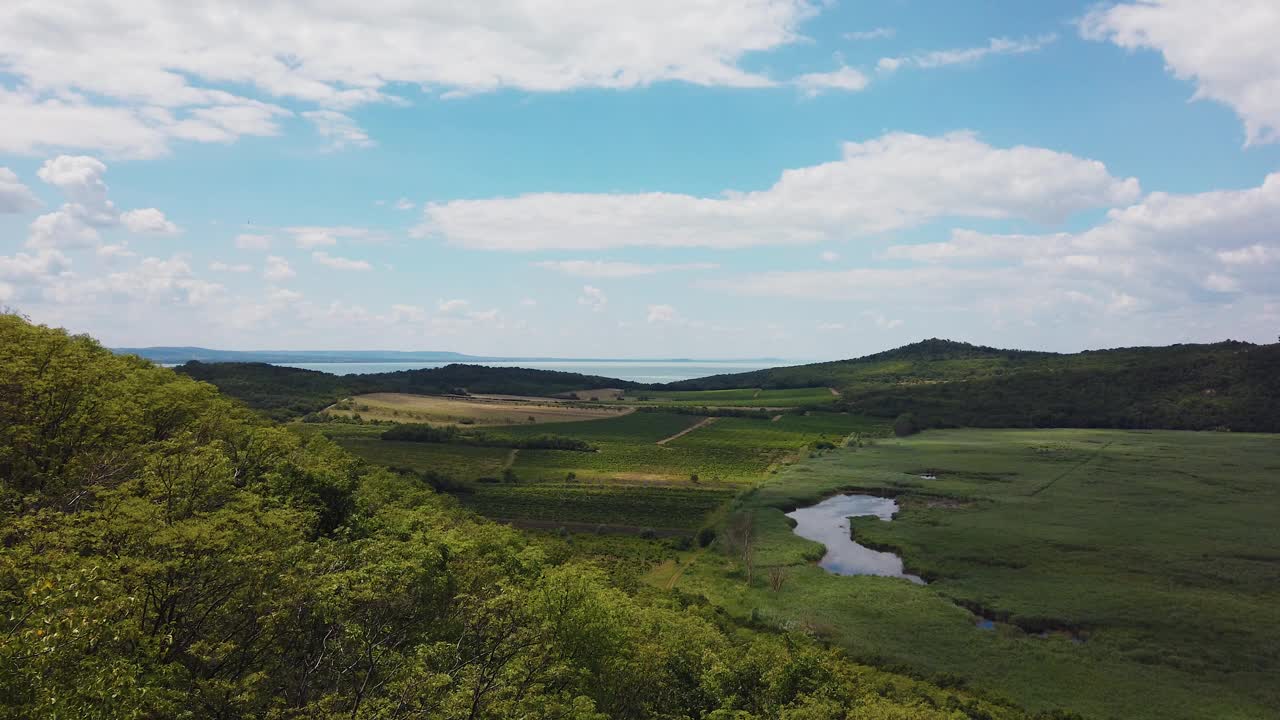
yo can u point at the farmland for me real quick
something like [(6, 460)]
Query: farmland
[(630, 479), (745, 398), (400, 407), (1157, 550)]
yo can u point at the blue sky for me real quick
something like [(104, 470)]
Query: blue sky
[(590, 178)]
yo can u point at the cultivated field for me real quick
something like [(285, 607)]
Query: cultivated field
[(1158, 551), (746, 398), (448, 410)]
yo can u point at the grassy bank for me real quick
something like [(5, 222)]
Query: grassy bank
[(1157, 548)]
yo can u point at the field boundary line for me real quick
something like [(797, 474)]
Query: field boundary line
[(701, 423), (1073, 468), (511, 460)]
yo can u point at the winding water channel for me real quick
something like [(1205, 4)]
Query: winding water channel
[(828, 523)]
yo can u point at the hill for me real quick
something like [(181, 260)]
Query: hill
[(1228, 385), (168, 554), (285, 392)]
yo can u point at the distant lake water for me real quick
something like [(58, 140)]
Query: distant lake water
[(633, 370)]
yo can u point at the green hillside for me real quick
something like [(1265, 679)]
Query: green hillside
[(169, 554), (1228, 385)]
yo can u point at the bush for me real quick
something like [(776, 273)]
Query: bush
[(905, 425), (706, 536), (649, 534)]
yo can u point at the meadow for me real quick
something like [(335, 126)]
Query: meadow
[(1151, 558)]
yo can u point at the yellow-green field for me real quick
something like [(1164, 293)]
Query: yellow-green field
[(479, 411)]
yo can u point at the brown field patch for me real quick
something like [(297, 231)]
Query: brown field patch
[(475, 411)]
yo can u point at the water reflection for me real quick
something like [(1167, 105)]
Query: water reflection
[(828, 523)]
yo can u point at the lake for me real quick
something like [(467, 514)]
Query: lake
[(828, 523), (645, 371)]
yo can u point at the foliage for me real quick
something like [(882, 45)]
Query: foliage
[(451, 434), (905, 425), (1231, 385), (169, 555)]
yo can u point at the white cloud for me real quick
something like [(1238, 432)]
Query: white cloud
[(893, 182), (661, 315), (152, 280), (529, 302), (1251, 255), (830, 327), (148, 220), (87, 210), (25, 268), (593, 297), (156, 71), (14, 196), (339, 263), (958, 56), (277, 268), (340, 130), (404, 204), (845, 78), (1227, 47), (1218, 282), (452, 306), (605, 269), (873, 34), (112, 252), (248, 241), (829, 256), (218, 266), (312, 236), (881, 320)]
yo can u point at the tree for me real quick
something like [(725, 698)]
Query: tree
[(741, 539), (905, 425)]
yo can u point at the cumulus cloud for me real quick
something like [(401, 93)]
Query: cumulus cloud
[(593, 297), (339, 263), (661, 315), (247, 241), (873, 34), (152, 280), (218, 266), (605, 269), (148, 220), (1226, 47), (25, 268), (340, 130), (313, 236), (77, 222), (277, 269), (959, 56), (894, 182), (14, 196), (844, 78), (452, 306), (404, 204), (158, 71)]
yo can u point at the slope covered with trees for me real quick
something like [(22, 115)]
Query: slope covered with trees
[(285, 392), (1228, 385), (166, 553)]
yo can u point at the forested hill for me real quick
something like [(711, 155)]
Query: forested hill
[(166, 553), (285, 392), (1227, 385)]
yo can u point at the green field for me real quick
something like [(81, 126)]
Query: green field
[(1160, 549), (634, 506), (748, 398), (463, 462)]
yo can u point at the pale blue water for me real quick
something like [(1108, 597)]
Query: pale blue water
[(633, 370), (828, 523)]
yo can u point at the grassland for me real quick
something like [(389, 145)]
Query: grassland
[(446, 410), (1158, 549), (738, 398)]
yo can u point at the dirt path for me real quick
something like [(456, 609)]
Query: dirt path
[(775, 418), (511, 459), (702, 423), (834, 391)]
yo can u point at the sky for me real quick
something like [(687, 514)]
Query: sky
[(671, 178)]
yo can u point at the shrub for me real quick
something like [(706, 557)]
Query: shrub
[(706, 536), (905, 425)]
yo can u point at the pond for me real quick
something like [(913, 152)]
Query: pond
[(828, 523)]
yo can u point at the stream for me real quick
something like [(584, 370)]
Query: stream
[(828, 523)]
